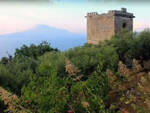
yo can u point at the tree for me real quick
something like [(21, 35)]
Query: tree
[(34, 50)]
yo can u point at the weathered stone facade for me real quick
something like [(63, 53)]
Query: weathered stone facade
[(102, 27)]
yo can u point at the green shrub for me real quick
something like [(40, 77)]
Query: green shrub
[(46, 93), (56, 60), (34, 50), (85, 58)]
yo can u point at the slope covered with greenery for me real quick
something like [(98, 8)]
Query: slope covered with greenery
[(90, 79)]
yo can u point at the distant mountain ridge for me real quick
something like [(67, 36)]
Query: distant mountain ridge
[(58, 38)]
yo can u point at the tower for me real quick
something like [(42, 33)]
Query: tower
[(102, 27)]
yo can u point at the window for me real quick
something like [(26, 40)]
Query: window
[(124, 25)]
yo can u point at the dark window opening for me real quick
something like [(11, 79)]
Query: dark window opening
[(124, 25)]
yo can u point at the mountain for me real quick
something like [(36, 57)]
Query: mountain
[(58, 38)]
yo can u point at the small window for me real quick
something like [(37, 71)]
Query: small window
[(124, 25)]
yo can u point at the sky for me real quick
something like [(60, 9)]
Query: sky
[(65, 14)]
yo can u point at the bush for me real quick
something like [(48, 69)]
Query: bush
[(34, 50), (131, 45), (85, 58), (46, 93), (56, 60)]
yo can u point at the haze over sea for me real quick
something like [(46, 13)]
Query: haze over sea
[(62, 22), (58, 38)]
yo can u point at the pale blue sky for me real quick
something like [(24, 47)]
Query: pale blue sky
[(65, 14)]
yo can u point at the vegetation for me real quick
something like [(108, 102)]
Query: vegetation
[(2, 106), (10, 103), (103, 78)]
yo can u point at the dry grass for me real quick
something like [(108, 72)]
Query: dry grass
[(12, 102), (132, 93)]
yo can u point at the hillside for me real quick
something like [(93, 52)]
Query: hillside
[(111, 77)]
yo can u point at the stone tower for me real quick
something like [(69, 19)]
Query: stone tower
[(102, 27)]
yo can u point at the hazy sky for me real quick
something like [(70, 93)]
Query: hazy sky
[(66, 14)]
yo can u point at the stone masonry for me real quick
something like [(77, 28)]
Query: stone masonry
[(102, 27)]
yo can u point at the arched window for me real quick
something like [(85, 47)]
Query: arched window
[(124, 25)]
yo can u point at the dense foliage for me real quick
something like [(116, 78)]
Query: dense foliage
[(2, 106), (50, 81)]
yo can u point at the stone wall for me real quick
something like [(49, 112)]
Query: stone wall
[(123, 23), (100, 27)]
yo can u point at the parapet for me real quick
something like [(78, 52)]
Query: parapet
[(92, 14), (123, 12)]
